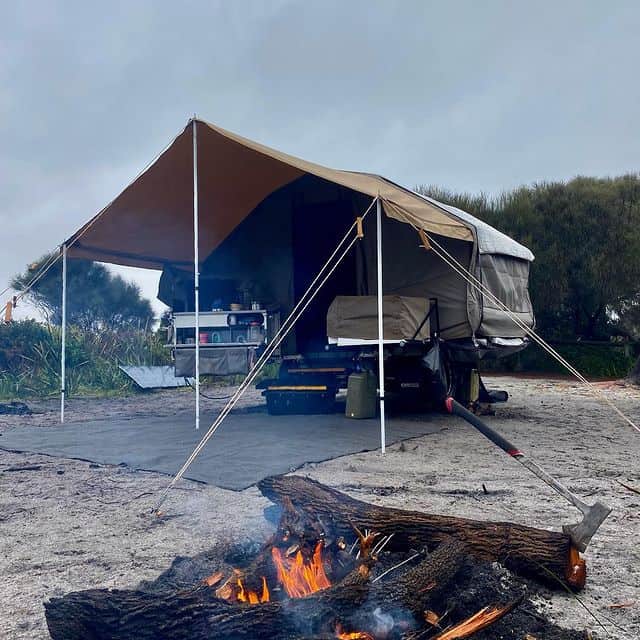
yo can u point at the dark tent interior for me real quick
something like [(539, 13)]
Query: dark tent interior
[(277, 250)]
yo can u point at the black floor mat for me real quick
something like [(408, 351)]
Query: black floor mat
[(246, 448)]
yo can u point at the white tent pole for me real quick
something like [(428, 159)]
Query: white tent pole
[(383, 435), (196, 268), (63, 347)]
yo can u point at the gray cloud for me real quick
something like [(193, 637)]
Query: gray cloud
[(472, 96)]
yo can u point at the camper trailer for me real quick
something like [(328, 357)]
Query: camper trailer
[(245, 229), (437, 327)]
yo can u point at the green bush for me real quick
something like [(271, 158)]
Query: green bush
[(593, 361), (584, 282), (30, 359)]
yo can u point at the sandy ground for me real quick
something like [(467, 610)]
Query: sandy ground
[(71, 525)]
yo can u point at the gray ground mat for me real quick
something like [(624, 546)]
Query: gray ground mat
[(246, 448)]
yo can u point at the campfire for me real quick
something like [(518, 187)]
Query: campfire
[(339, 568), (296, 577)]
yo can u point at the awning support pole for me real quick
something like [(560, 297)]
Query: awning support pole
[(383, 435), (63, 346), (196, 269)]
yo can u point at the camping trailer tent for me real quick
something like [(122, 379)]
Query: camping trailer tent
[(264, 224), (274, 253)]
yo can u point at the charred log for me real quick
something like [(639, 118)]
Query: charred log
[(405, 598), (196, 614), (545, 555)]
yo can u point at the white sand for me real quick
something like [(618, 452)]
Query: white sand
[(72, 525)]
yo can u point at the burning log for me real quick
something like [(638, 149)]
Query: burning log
[(294, 561), (198, 614), (545, 555), (468, 627), (399, 601), (306, 583), (478, 621)]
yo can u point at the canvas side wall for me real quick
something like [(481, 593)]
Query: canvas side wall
[(508, 279), (409, 270)]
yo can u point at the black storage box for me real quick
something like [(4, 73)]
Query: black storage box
[(300, 401)]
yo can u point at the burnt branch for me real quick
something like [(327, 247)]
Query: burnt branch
[(524, 550)]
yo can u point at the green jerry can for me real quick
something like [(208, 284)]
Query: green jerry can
[(362, 390)]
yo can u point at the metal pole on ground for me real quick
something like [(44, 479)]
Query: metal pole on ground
[(383, 435), (196, 269), (63, 347)]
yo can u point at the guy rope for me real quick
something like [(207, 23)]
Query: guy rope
[(444, 255), (318, 282)]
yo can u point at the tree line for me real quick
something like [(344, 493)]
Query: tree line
[(584, 282), (96, 298), (585, 234)]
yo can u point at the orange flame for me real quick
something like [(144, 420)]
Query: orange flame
[(214, 578), (341, 634), (300, 578), (266, 596), (479, 620), (246, 595), (234, 590)]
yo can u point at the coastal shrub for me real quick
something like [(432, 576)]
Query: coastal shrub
[(30, 358), (593, 361)]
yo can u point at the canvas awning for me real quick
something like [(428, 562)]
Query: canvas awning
[(150, 224)]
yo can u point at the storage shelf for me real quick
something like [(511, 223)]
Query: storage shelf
[(213, 319), (213, 345)]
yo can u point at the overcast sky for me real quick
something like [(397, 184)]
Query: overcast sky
[(474, 96)]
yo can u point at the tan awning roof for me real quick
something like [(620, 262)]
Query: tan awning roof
[(150, 223)]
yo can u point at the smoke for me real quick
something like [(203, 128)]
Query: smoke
[(384, 623)]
